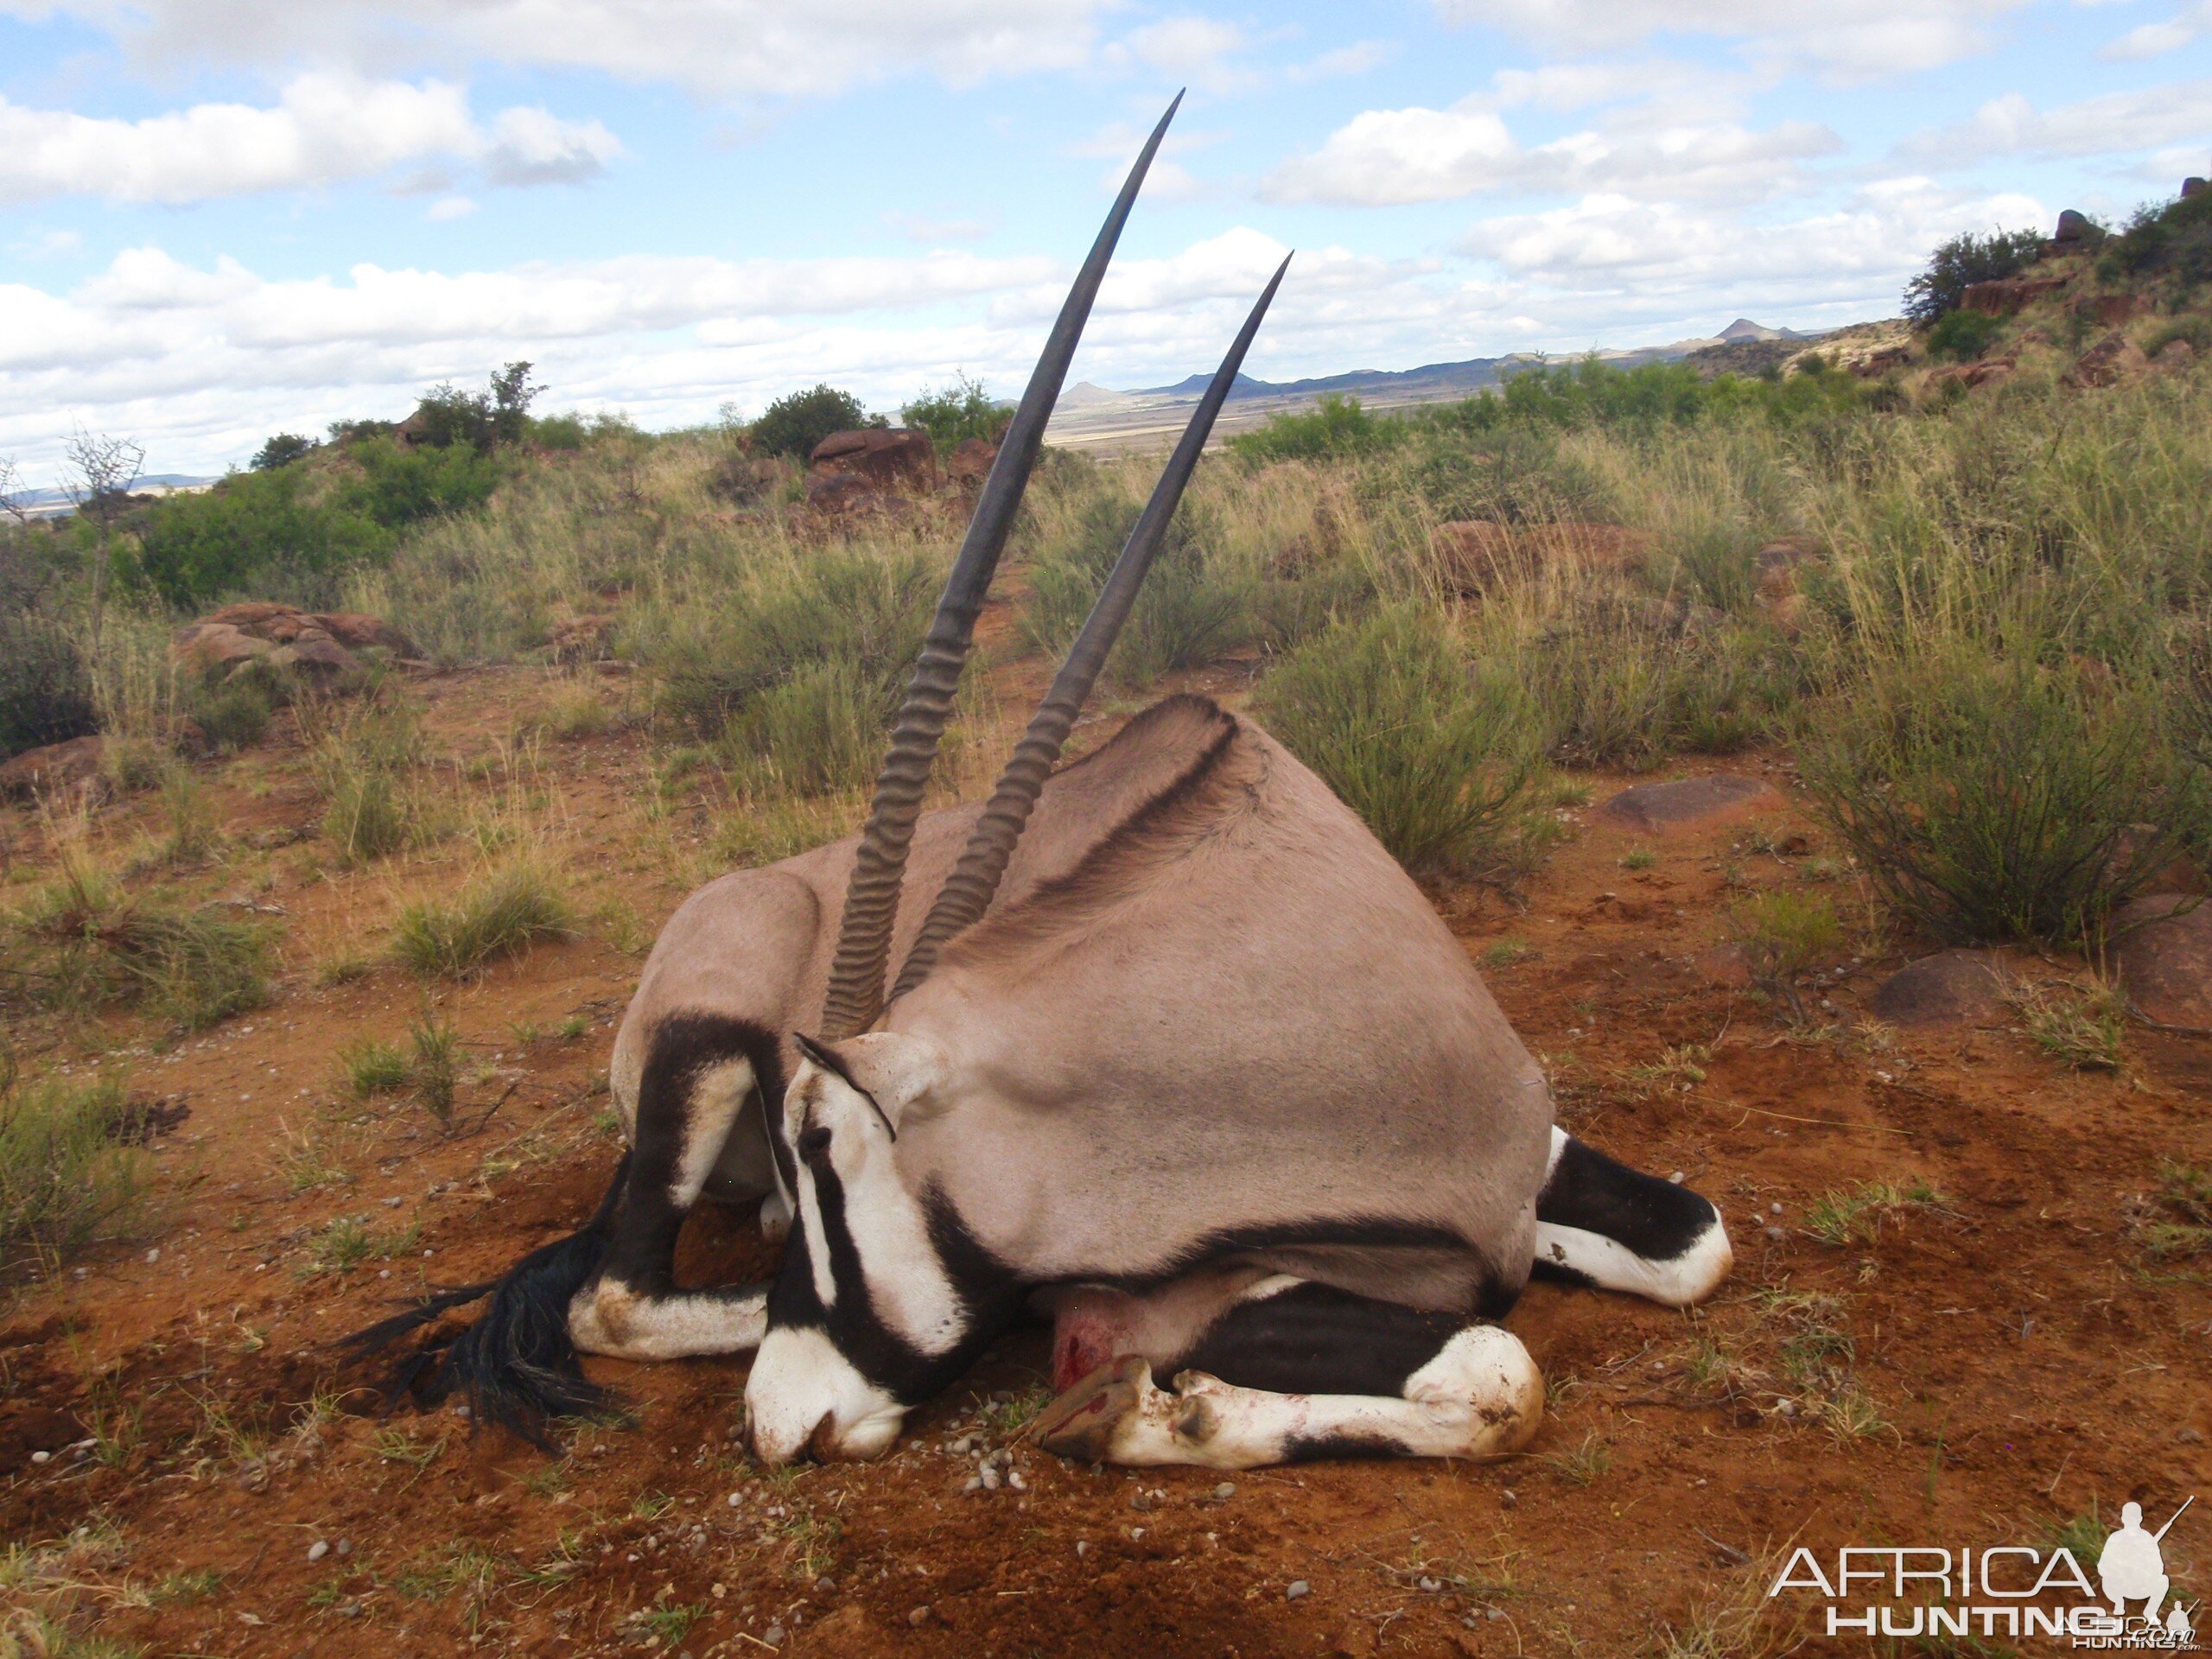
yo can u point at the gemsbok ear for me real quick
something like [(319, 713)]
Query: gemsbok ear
[(889, 1070)]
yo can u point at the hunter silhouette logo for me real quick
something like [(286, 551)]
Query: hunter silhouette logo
[(2005, 1590)]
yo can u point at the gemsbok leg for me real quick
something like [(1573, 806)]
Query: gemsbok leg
[(1290, 1371), (1599, 1223)]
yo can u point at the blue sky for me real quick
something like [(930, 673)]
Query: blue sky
[(225, 217)]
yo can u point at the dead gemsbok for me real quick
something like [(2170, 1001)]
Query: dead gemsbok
[(1178, 1054)]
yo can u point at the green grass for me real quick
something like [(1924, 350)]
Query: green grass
[(2084, 1028), (369, 1067), (348, 1241), (1584, 1464), (67, 1179), (1444, 770), (495, 914), (1855, 1214), (82, 941), (1783, 931)]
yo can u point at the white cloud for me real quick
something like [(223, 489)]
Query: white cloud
[(2154, 40), (1391, 156), (448, 208), (2114, 123), (756, 48), (324, 130), (1841, 40), (923, 227), (1194, 48), (1354, 59), (1611, 243)]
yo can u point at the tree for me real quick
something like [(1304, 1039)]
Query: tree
[(100, 468), (281, 450), (447, 415), (795, 424), (961, 410), (13, 497), (1965, 259)]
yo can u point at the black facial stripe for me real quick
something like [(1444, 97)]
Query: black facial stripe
[(1656, 1220), (1317, 1339), (830, 1060), (680, 1048)]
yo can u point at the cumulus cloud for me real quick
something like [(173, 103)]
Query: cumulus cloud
[(1393, 157), (2168, 34), (324, 130), (1612, 242), (757, 49), (2114, 123), (1841, 40)]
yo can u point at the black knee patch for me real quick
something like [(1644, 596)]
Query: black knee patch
[(1656, 1220), (1316, 1339)]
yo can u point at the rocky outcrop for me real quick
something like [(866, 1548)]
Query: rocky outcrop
[(2074, 229), (1952, 988), (2003, 295), (971, 461), (53, 769), (2110, 310), (889, 458), (314, 644), (2112, 360), (2163, 952), (1988, 372), (1689, 803), (848, 496)]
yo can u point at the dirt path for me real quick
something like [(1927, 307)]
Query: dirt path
[(1982, 1363)]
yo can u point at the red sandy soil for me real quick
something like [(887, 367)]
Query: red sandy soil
[(2020, 1356)]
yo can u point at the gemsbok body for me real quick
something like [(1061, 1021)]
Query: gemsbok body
[(1177, 1055)]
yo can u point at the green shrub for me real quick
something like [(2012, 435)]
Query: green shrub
[(1782, 933), (401, 487), (1962, 336), (46, 693), (281, 450), (369, 1067), (1334, 428), (797, 669), (1994, 799), (361, 765), (251, 530), (66, 1178), (1441, 767), (448, 418), (1189, 611), (1963, 260), (495, 914), (232, 715), (955, 413), (796, 422), (82, 941)]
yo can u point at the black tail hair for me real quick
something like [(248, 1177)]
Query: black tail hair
[(515, 1365)]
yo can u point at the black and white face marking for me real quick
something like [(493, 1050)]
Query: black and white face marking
[(882, 1297)]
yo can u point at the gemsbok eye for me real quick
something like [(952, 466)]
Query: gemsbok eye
[(814, 1142)]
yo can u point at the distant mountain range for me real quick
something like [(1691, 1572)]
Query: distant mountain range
[(1431, 379), (55, 503)]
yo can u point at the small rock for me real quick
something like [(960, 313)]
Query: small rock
[(975, 1484), (153, 1256), (1657, 808), (824, 1585), (317, 1550), (1430, 1586), (344, 1547), (919, 1617), (1508, 1498), (736, 1498), (1777, 1234), (1952, 988), (1786, 1408), (42, 1457), (1013, 1479), (2164, 959), (1140, 1501), (1677, 1178), (2189, 1436), (773, 1635), (1226, 1491), (990, 1477), (1297, 1589), (1774, 1209), (1083, 1547)]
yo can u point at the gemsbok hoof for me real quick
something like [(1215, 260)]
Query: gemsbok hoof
[(1079, 1425)]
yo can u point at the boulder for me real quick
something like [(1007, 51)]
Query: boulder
[(1689, 803), (888, 457), (1953, 988), (2074, 230), (2113, 358), (2163, 952), (314, 655), (2176, 354), (357, 632), (1988, 372), (2110, 310), (2191, 187), (51, 769), (850, 496), (217, 647), (2003, 295), (971, 461)]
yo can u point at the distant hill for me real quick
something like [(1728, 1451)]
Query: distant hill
[(56, 504), (1434, 380)]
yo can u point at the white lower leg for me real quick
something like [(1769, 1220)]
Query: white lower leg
[(610, 1319), (1682, 1282), (1482, 1397)]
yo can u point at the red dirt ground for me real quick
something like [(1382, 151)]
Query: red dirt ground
[(1982, 1369)]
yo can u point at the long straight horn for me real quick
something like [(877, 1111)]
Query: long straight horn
[(968, 890), (855, 994)]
